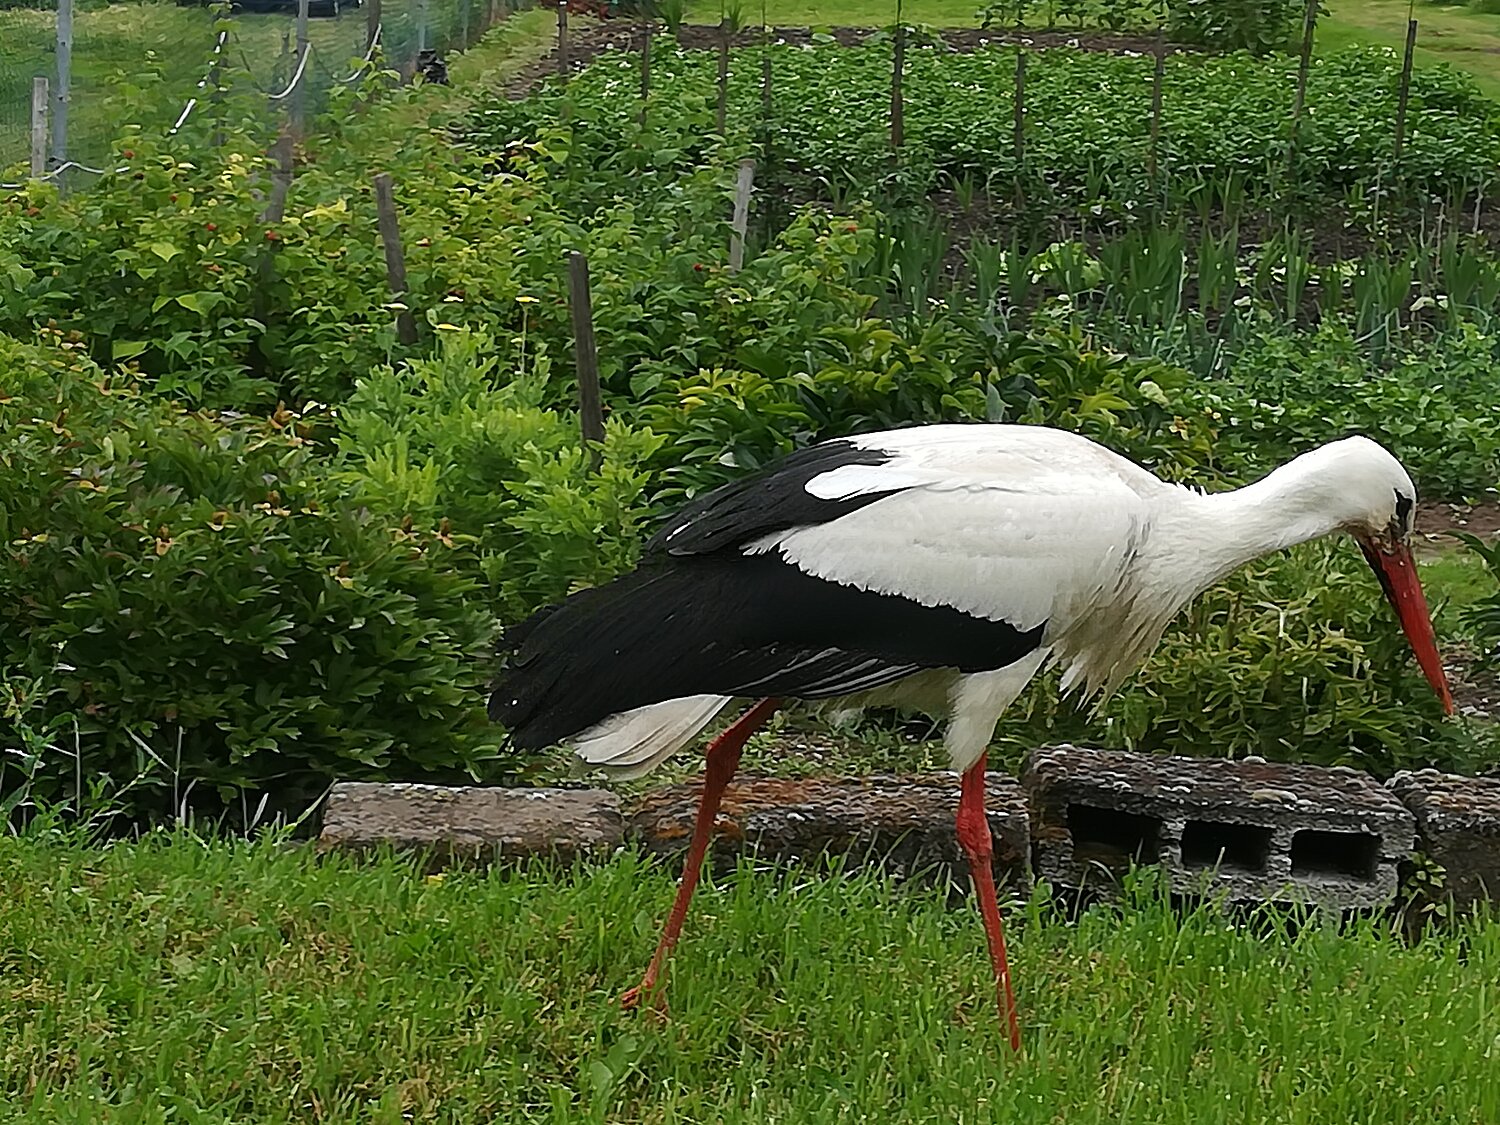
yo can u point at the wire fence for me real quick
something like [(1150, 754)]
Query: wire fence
[(153, 63)]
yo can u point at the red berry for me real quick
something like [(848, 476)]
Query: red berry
[(210, 226), (272, 236), (697, 266), (128, 154)]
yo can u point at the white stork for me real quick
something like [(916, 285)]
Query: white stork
[(937, 567)]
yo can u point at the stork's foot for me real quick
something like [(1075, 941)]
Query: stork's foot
[(647, 990)]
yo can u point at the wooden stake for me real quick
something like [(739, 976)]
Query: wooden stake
[(722, 114), (372, 21), (1019, 139), (562, 37), (586, 355), (281, 184), (1156, 81), (38, 127), (1411, 46), (299, 95), (645, 67), (281, 179), (1309, 22), (898, 68), (395, 257), (62, 90), (741, 221)]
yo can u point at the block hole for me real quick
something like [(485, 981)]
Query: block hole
[(1228, 847), (1342, 855), (1113, 838)]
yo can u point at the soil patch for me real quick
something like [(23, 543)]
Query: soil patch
[(1437, 520)]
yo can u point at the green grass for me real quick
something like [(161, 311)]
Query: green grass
[(173, 980), (1467, 38)]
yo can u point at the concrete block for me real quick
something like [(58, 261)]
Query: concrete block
[(904, 826), (1458, 826), (1249, 830), (471, 824)]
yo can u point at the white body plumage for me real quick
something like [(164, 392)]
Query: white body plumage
[(1079, 554)]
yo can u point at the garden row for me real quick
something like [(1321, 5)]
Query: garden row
[(1083, 137)]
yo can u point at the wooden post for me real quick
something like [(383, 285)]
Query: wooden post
[(586, 355), (281, 184), (61, 91), (463, 15), (765, 84), (1156, 82), (281, 180), (222, 13), (898, 67), (1019, 138), (1309, 21), (741, 222), (421, 26), (372, 21), (721, 115), (299, 94), (645, 67), (38, 127), (1411, 46), (562, 37), (395, 257)]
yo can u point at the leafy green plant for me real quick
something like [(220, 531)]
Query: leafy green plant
[(1257, 26), (448, 442), (201, 582)]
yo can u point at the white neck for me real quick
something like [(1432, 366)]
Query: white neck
[(1225, 530)]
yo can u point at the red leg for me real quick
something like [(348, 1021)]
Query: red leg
[(974, 835), (723, 757)]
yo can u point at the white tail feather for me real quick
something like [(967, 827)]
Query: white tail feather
[(634, 742)]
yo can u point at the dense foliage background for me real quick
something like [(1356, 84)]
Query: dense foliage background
[(253, 543)]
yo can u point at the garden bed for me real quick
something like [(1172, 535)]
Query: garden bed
[(589, 39)]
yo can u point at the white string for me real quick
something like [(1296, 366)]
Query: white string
[(301, 65), (60, 169), (202, 83), (369, 54)]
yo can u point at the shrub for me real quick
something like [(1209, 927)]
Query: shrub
[(446, 440), (203, 584)]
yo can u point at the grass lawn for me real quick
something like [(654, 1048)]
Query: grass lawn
[(175, 980), (1463, 36)]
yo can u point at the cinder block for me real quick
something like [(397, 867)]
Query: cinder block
[(471, 824), (1249, 830), (1458, 825), (904, 826)]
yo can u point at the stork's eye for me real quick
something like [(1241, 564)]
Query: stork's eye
[(1403, 521)]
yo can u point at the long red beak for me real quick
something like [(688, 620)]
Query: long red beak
[(1397, 571)]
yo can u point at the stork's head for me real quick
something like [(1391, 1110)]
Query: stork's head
[(1376, 503)]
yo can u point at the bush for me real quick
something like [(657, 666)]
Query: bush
[(1257, 26), (446, 441), (202, 584)]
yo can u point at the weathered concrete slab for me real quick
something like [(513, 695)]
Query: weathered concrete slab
[(1458, 826), (471, 824), (1251, 830), (904, 826)]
